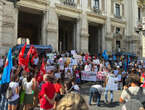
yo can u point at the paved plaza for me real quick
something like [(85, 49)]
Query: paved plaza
[(85, 92), (114, 106)]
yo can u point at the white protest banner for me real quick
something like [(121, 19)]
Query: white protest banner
[(58, 75), (51, 55), (88, 76)]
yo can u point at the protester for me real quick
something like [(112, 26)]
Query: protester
[(95, 92), (111, 85), (47, 94), (36, 71), (76, 87), (130, 90), (13, 100), (28, 86)]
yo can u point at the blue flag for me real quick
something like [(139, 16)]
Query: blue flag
[(7, 68), (114, 58), (129, 59), (105, 55)]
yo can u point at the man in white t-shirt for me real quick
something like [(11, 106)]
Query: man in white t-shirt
[(95, 92)]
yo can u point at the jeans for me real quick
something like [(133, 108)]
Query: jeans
[(3, 103), (98, 96), (106, 95)]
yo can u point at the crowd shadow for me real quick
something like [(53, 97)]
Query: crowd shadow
[(103, 104), (109, 105)]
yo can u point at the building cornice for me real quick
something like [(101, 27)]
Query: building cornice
[(34, 4), (93, 17), (67, 8), (119, 1), (119, 22), (68, 11)]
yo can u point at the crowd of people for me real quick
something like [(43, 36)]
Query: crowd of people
[(52, 80)]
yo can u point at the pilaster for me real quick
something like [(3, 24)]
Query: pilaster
[(78, 38), (103, 38), (84, 33), (8, 25), (1, 14), (52, 29)]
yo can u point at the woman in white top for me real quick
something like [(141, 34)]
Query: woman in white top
[(28, 87), (14, 99), (111, 85), (87, 68)]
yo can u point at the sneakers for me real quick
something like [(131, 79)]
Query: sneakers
[(106, 101), (98, 105)]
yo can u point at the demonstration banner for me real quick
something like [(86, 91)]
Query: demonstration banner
[(88, 76)]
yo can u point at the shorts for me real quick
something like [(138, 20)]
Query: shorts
[(28, 99), (14, 102)]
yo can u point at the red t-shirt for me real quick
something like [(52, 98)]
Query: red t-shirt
[(57, 87), (49, 90), (143, 75)]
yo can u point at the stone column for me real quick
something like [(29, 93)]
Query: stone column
[(84, 33), (43, 32), (99, 40), (52, 29), (15, 25), (74, 36), (103, 38), (78, 46), (1, 16), (89, 4)]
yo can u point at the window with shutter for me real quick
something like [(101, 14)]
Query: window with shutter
[(117, 10), (96, 4)]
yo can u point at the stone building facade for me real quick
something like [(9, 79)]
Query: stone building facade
[(83, 25)]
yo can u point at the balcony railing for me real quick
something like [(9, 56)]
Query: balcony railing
[(97, 10), (70, 3), (116, 16)]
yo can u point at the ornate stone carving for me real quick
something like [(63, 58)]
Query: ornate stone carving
[(42, 2), (141, 3), (34, 4), (62, 7)]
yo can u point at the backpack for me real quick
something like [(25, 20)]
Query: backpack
[(137, 101), (9, 93)]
